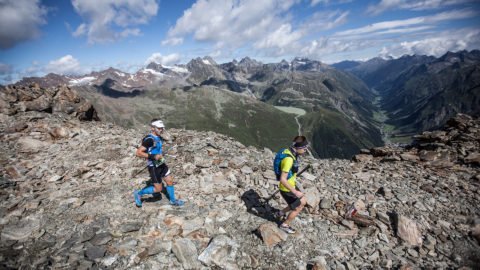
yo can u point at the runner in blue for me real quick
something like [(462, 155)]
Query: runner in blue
[(151, 149)]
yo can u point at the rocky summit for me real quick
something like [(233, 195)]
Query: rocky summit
[(66, 199)]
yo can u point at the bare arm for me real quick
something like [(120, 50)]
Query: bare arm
[(142, 152), (284, 181)]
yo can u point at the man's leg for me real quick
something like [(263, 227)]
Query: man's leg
[(280, 215), (171, 191), (285, 210), (157, 187), (296, 211)]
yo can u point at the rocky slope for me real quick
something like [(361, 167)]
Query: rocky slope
[(66, 202)]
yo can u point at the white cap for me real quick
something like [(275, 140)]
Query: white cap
[(158, 124)]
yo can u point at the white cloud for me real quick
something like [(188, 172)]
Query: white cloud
[(130, 32), (316, 2), (385, 5), (328, 2), (81, 30), (102, 17), (173, 41), (325, 20), (388, 25), (234, 23), (436, 45), (5, 69), (280, 38), (20, 21), (326, 46), (165, 60), (419, 35), (64, 65)]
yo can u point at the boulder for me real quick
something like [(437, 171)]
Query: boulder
[(362, 158), (22, 230), (31, 145), (186, 253), (473, 158), (312, 195), (407, 230), (221, 252), (271, 234)]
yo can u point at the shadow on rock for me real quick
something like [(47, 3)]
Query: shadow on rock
[(256, 205)]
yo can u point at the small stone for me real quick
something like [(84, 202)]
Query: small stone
[(383, 217), (54, 178), (413, 252), (246, 170), (348, 223), (130, 227), (101, 239), (374, 256), (383, 237), (387, 263), (325, 204), (95, 252)]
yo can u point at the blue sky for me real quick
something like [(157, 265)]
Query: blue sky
[(80, 36)]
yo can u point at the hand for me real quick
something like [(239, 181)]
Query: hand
[(158, 157), (298, 194)]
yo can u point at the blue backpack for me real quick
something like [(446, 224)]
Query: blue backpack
[(278, 161)]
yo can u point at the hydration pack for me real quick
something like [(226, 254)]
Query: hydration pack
[(283, 153)]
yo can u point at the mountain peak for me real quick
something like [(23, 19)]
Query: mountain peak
[(248, 62), (155, 66)]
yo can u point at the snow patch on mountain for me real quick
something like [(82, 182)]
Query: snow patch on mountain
[(81, 81), (154, 72), (177, 69)]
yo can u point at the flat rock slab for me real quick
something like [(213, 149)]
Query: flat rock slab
[(130, 227), (95, 252), (21, 231), (101, 239)]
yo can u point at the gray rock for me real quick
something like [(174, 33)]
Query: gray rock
[(23, 230), (186, 253), (95, 252), (101, 239), (130, 227), (325, 203), (313, 197), (222, 252), (31, 145)]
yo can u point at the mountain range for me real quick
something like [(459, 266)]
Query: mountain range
[(341, 108), (421, 92)]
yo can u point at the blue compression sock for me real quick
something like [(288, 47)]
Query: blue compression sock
[(171, 193), (147, 190)]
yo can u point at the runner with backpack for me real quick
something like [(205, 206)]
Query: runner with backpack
[(151, 149), (286, 166)]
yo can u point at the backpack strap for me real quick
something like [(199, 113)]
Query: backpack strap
[(278, 161)]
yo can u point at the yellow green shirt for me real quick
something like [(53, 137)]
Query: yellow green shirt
[(286, 166)]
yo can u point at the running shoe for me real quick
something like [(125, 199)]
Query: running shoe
[(286, 228), (138, 199), (177, 203)]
